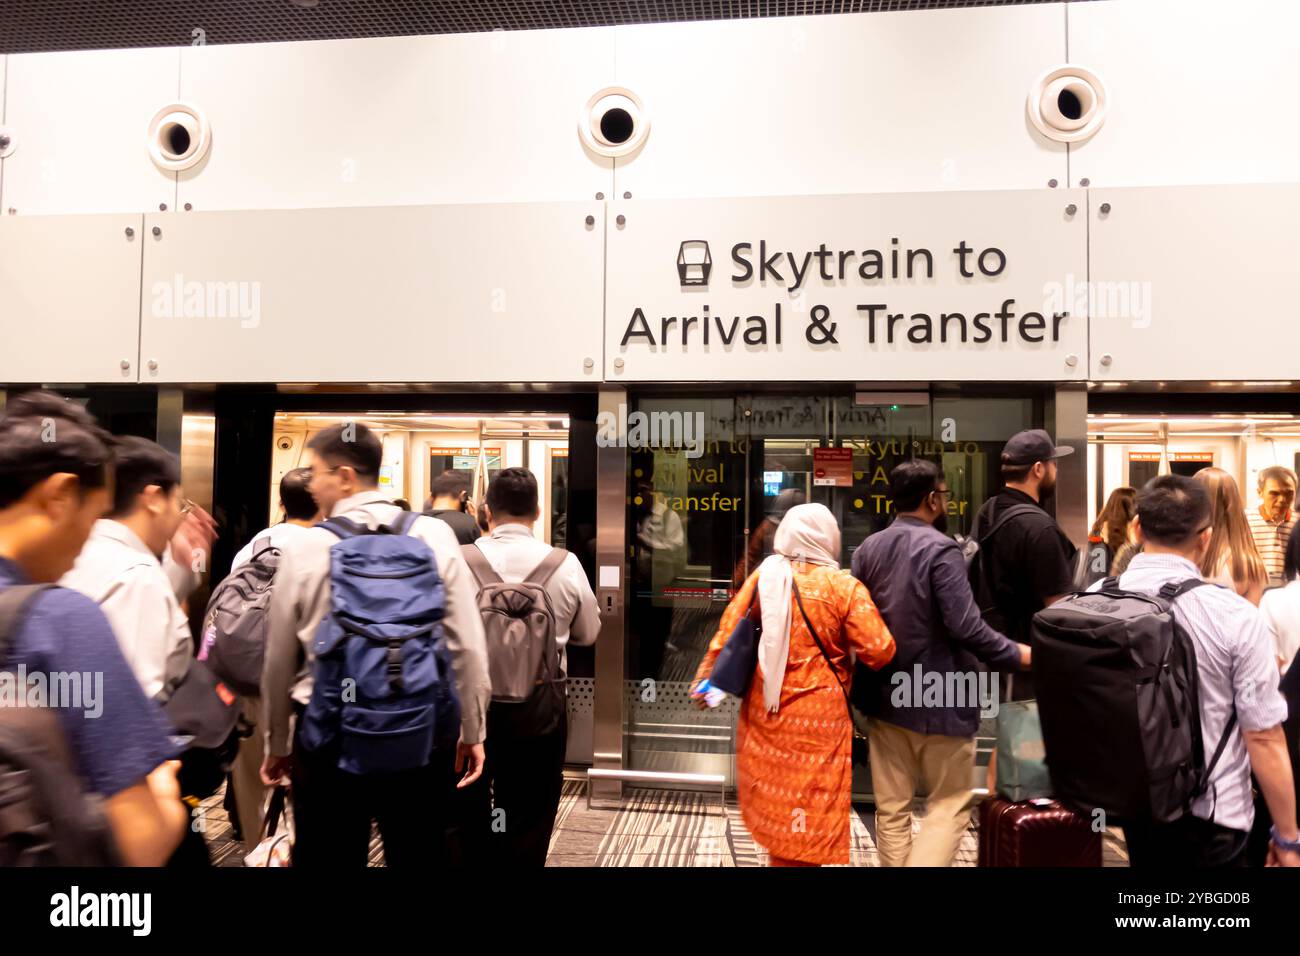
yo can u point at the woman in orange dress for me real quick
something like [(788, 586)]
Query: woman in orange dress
[(794, 739)]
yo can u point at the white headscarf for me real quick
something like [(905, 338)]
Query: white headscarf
[(806, 533)]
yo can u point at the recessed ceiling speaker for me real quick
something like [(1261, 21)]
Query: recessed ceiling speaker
[(1067, 104), (179, 137), (614, 122)]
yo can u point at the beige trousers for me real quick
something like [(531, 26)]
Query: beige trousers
[(903, 761), (246, 776)]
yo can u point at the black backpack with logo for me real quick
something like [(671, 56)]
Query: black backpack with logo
[(46, 818), (1119, 701)]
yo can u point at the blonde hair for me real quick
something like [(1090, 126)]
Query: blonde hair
[(1230, 538)]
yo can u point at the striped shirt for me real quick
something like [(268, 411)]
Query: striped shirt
[(1271, 539), (1237, 666)]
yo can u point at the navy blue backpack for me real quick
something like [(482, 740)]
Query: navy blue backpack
[(382, 698)]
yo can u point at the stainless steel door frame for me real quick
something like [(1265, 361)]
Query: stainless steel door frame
[(611, 584), (186, 427), (1067, 419)]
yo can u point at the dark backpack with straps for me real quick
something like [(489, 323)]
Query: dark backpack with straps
[(528, 697), (382, 699), (46, 817), (1119, 700), (235, 623)]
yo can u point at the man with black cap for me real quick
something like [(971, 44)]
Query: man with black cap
[(1024, 561)]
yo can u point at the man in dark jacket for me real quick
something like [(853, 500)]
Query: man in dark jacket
[(924, 707)]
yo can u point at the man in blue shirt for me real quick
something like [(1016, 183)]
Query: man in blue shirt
[(924, 706), (56, 475)]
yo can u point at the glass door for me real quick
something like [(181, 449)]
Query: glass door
[(698, 526)]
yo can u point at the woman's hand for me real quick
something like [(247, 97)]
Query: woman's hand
[(698, 697)]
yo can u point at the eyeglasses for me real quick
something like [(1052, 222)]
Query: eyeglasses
[(187, 507)]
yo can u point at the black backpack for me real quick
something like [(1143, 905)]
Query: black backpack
[(1119, 700), (46, 818), (235, 623)]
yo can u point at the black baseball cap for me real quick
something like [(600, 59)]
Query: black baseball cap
[(1027, 447)]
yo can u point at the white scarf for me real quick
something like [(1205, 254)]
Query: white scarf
[(806, 533)]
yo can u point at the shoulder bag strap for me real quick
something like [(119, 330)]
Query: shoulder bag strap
[(14, 602), (343, 528), (1171, 592), (403, 522), (479, 566), (817, 640), (1218, 751), (549, 565), (1003, 519)]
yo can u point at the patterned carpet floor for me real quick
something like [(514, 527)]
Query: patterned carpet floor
[(660, 828)]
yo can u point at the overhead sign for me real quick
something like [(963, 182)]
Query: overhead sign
[(898, 287), (490, 451)]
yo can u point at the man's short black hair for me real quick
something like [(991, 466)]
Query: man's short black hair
[(513, 492), (295, 496), (1173, 509), (450, 484), (43, 434), (351, 444), (141, 463), (1014, 474), (911, 481)]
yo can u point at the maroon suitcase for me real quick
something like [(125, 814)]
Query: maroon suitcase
[(1023, 834)]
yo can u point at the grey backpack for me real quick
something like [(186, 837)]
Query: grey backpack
[(523, 659), (235, 623)]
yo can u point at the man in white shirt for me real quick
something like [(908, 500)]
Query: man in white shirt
[(525, 772), (1272, 522), (333, 809), (1238, 675), (127, 570), (300, 512)]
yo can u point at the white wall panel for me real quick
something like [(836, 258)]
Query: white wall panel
[(1199, 91), (403, 120), (81, 121), (1195, 283), (492, 293), (876, 102), (1044, 250), (69, 298)]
